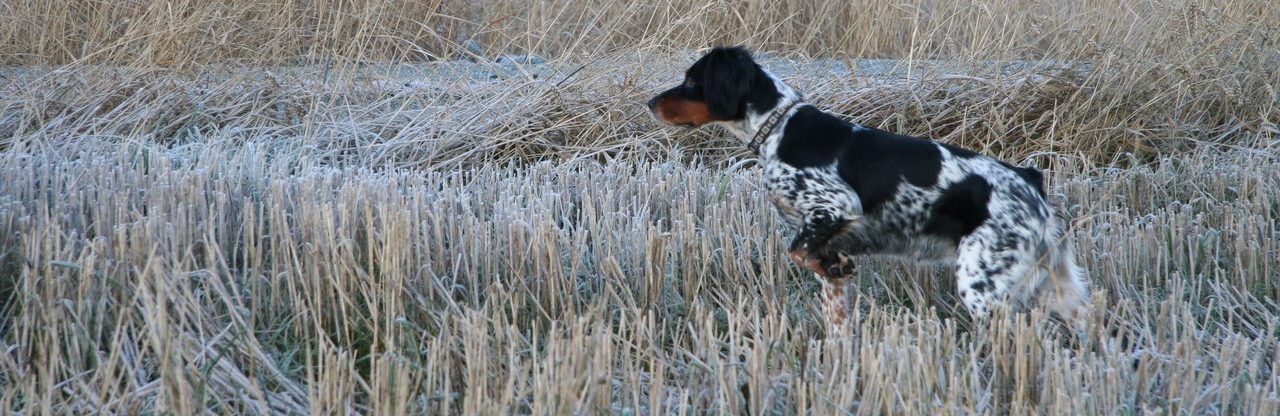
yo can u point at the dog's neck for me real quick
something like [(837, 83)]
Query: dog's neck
[(756, 119)]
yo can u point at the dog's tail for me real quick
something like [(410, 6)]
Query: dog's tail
[(1065, 289)]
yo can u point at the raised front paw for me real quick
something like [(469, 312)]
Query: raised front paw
[(808, 261), (831, 266), (840, 266)]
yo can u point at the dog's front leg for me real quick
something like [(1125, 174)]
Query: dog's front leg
[(834, 272), (809, 247), (835, 302)]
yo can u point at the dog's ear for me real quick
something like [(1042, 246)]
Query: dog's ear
[(727, 81)]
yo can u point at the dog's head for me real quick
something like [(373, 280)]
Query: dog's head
[(716, 88)]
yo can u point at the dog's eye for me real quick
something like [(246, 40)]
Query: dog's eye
[(688, 82)]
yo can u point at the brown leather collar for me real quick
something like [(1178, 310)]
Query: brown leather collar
[(769, 124)]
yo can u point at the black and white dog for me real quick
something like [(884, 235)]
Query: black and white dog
[(856, 190)]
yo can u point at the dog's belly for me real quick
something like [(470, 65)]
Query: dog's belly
[(875, 237), (896, 228)]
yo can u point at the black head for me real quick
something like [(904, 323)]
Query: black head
[(716, 88)]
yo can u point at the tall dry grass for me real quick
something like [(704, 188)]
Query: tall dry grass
[(312, 207), (184, 32), (1092, 79)]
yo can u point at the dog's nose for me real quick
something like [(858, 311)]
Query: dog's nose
[(653, 102)]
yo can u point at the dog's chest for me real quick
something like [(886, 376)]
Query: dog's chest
[(797, 193)]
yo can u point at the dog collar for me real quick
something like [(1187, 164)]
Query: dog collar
[(767, 127)]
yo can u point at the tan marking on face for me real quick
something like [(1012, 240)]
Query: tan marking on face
[(682, 112), (807, 261)]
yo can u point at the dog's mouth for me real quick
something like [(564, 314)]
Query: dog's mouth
[(684, 124), (657, 115)]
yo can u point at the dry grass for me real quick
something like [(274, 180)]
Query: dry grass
[(228, 209), (1096, 80)]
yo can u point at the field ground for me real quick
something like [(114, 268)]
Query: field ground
[(277, 220)]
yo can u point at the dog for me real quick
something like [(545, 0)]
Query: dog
[(854, 190)]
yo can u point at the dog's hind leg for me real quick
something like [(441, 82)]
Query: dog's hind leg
[(991, 269), (1065, 290)]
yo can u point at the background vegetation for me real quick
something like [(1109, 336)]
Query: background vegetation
[(385, 206)]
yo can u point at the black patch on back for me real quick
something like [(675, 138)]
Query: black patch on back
[(1029, 174), (961, 152), (813, 138), (960, 209), (1033, 177), (877, 162), (873, 162)]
